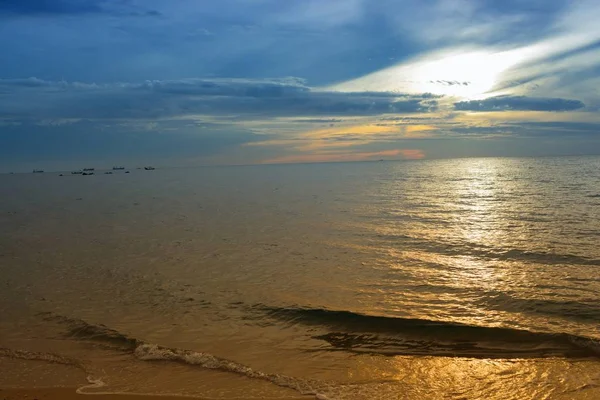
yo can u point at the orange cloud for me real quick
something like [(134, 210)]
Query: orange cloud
[(333, 137), (408, 154), (336, 143), (411, 154)]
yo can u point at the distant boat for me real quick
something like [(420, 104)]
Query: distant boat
[(87, 173), (118, 168), (89, 169), (38, 171), (108, 173), (76, 172), (126, 172), (149, 168)]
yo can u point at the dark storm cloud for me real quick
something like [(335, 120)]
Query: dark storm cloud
[(37, 7), (519, 103), (71, 7), (34, 98)]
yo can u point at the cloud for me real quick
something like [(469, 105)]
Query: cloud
[(29, 82), (519, 103), (340, 39), (71, 7), (484, 21), (462, 72), (377, 75), (36, 7), (35, 98), (561, 128), (317, 120), (547, 49)]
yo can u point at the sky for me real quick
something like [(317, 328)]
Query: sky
[(188, 82)]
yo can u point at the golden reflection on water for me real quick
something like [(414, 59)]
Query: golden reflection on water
[(474, 379), (478, 194), (485, 201), (464, 249)]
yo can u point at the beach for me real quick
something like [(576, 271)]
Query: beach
[(65, 394), (70, 394)]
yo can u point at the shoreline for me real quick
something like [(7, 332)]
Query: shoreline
[(56, 393), (70, 393)]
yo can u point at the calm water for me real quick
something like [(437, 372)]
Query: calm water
[(458, 279)]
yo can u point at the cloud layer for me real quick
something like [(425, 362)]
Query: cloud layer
[(519, 103), (354, 79), (35, 98)]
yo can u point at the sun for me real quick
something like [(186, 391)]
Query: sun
[(467, 75), (463, 73)]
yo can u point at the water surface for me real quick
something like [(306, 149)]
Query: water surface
[(470, 278)]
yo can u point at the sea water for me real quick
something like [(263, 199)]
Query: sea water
[(458, 279)]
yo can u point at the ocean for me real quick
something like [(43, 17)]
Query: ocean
[(429, 279)]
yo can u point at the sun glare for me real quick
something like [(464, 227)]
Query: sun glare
[(466, 74)]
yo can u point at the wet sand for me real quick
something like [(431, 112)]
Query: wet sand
[(35, 379), (71, 394), (67, 394)]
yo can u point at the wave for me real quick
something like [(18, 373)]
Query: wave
[(143, 351), (80, 329), (477, 250), (586, 310), (353, 332), (153, 352), (404, 336)]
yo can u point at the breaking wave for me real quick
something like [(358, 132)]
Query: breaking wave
[(348, 331), (153, 352), (143, 351)]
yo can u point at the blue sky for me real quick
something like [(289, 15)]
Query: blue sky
[(186, 82)]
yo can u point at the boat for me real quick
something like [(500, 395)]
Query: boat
[(89, 169), (38, 171), (118, 168), (87, 173), (149, 168), (108, 173), (76, 172)]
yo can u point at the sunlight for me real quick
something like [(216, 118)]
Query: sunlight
[(469, 75), (466, 74)]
